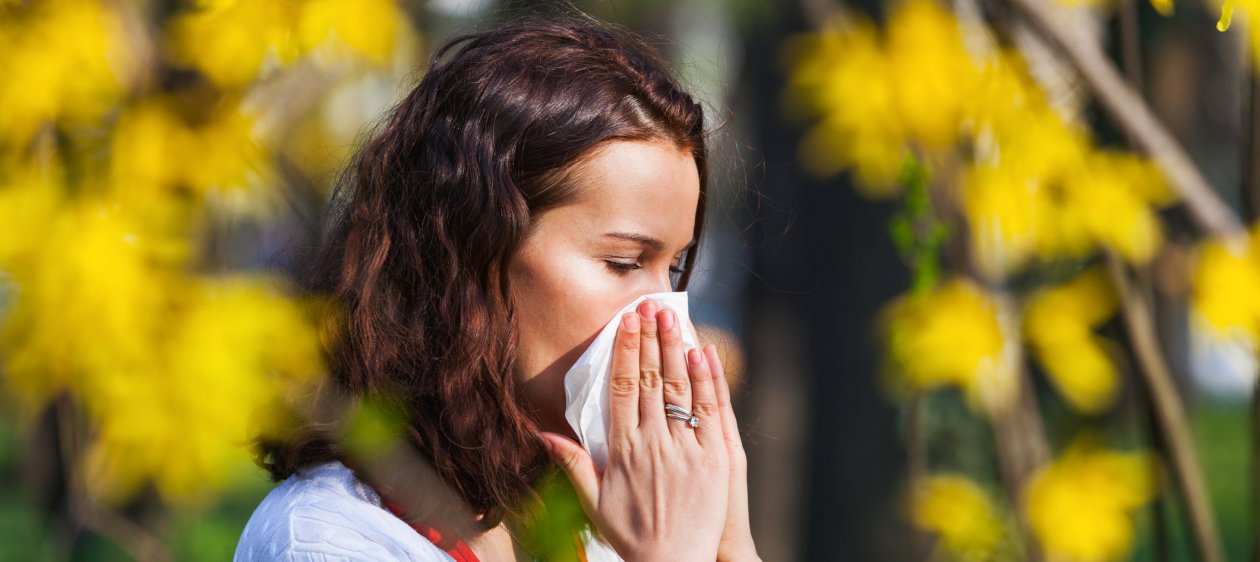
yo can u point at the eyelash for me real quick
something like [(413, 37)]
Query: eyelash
[(620, 268)]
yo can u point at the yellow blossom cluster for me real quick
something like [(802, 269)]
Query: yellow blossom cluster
[(116, 180), (961, 514), (954, 336), (1226, 293), (157, 154), (64, 60), (176, 371), (1031, 184), (959, 335), (1080, 506), (234, 41), (1059, 323)]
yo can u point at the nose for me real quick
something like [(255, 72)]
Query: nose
[(658, 284)]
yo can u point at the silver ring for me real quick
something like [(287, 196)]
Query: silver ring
[(680, 413)]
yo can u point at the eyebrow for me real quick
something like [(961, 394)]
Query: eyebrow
[(645, 240)]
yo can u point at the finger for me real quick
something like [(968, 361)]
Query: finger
[(674, 376), (738, 491), (577, 465), (704, 401), (651, 407), (730, 428), (623, 382)]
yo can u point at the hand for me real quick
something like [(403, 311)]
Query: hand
[(737, 543), (663, 493)]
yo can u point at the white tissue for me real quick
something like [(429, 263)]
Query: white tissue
[(586, 383), (586, 396)]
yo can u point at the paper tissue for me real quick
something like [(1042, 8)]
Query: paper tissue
[(586, 383)]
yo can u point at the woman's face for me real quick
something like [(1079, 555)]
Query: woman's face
[(633, 217)]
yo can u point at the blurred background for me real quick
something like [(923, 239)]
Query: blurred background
[(984, 266)]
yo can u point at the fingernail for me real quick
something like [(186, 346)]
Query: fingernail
[(693, 356), (630, 322), (648, 309), (667, 320)]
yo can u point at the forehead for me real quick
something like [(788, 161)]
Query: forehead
[(652, 187)]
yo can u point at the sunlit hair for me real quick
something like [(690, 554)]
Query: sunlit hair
[(433, 207)]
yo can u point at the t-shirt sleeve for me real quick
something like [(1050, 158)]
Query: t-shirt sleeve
[(321, 535), (311, 526)]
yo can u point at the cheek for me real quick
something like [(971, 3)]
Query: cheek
[(562, 303)]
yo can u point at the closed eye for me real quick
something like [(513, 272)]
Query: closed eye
[(621, 268)]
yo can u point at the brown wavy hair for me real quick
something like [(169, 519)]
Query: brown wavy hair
[(429, 212)]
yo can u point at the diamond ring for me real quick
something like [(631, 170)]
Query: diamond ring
[(681, 413)]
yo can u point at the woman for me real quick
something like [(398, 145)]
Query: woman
[(536, 180)]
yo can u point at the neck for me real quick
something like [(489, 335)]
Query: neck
[(498, 544)]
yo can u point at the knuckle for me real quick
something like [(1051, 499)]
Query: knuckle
[(677, 387), (650, 378), (652, 445), (621, 448), (698, 375), (569, 460), (623, 386), (706, 409), (628, 344)]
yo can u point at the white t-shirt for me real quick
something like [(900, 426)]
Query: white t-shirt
[(323, 513)]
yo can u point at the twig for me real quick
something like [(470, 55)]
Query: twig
[(1021, 450), (1130, 49), (85, 510), (123, 532), (1135, 117), (1168, 410), (1131, 63)]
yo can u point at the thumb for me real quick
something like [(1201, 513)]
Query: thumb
[(577, 465)]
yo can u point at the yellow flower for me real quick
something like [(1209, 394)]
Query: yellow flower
[(96, 268), (156, 153), (226, 156), (1032, 184), (232, 40), (1253, 31), (367, 28), (1115, 193), (876, 94), (1059, 325), (1005, 210), (1226, 294), (1051, 195), (841, 73), (961, 513), (175, 374), (185, 423), (236, 41), (954, 337), (933, 74), (29, 199), (64, 60), (1079, 507)]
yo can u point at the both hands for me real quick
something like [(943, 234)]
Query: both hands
[(668, 492)]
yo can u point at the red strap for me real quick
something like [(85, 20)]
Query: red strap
[(457, 548)]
